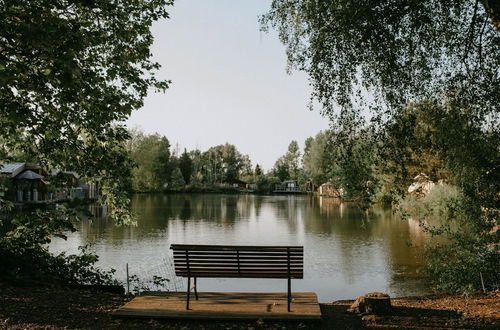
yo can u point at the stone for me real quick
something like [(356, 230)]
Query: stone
[(372, 303)]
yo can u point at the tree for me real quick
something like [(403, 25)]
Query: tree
[(70, 73), (389, 53), (317, 159), (293, 159), (186, 166), (382, 56), (281, 169), (258, 171), (177, 180), (225, 162), (151, 154)]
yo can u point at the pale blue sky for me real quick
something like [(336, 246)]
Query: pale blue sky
[(229, 83)]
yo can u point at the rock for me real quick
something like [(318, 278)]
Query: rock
[(372, 303)]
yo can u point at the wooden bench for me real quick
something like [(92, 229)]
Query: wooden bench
[(238, 261)]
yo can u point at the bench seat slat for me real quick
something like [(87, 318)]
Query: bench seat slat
[(191, 247), (232, 266), (241, 257), (238, 276), (193, 263), (234, 253), (220, 273)]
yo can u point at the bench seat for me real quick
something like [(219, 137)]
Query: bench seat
[(238, 261)]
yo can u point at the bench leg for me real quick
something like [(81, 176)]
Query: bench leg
[(289, 293), (195, 289), (188, 292)]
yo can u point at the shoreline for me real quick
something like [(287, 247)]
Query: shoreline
[(69, 308)]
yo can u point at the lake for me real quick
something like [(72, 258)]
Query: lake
[(347, 251)]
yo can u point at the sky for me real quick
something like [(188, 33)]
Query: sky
[(229, 83)]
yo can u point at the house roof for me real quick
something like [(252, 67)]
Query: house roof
[(15, 168), (30, 175), (10, 168)]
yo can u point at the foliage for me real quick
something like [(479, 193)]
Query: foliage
[(258, 171), (355, 157), (70, 73), (177, 180), (467, 154), (386, 54), (318, 160), (428, 72), (151, 155), (266, 183), (288, 166), (156, 283), (186, 166), (26, 258)]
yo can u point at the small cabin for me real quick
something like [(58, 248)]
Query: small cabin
[(289, 186), (25, 182), (234, 183)]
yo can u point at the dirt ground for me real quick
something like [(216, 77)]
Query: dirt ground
[(62, 308)]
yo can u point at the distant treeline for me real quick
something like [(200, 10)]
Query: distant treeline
[(368, 164)]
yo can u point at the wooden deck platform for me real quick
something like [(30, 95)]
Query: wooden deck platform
[(223, 306)]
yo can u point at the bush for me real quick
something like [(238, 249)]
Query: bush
[(25, 257), (466, 257)]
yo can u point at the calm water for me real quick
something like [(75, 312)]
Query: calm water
[(347, 252)]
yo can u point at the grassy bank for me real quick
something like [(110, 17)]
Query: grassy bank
[(63, 308)]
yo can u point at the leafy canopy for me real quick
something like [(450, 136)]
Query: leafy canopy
[(384, 54), (70, 72)]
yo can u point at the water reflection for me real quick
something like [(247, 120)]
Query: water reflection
[(348, 251)]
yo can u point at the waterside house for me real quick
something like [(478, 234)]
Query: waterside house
[(25, 182), (234, 183), (289, 186), (29, 182)]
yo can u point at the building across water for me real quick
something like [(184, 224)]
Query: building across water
[(29, 182)]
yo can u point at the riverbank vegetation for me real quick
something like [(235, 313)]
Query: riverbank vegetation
[(70, 73), (423, 77)]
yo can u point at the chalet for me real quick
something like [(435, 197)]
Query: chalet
[(29, 182), (234, 183), (69, 185), (25, 182), (290, 186)]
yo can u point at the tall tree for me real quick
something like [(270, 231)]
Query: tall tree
[(384, 55), (186, 166), (317, 160), (388, 53), (71, 72), (293, 159), (151, 155), (258, 171)]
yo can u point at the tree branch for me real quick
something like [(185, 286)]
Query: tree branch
[(492, 8)]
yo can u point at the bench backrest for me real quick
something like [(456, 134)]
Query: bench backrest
[(238, 261)]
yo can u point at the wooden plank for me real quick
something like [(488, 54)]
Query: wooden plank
[(195, 247), (236, 275), (236, 265), (241, 257), (237, 253), (235, 262), (223, 306)]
